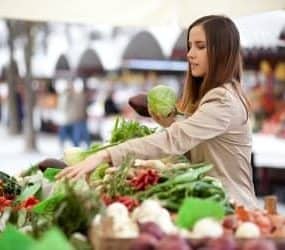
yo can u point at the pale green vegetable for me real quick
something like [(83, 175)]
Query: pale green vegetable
[(79, 186), (73, 155), (99, 172), (162, 100)]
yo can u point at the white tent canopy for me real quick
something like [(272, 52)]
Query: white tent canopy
[(132, 12)]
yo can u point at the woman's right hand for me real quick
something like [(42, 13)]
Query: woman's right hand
[(85, 167), (163, 121)]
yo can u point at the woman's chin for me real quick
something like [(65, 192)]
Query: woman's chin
[(196, 74)]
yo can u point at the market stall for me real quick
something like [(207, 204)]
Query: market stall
[(130, 207), (167, 203)]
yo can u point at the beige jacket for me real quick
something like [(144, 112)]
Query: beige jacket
[(217, 133)]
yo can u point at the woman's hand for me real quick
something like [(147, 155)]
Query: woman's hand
[(85, 167), (163, 121)]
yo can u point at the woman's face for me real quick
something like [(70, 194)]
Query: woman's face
[(197, 54)]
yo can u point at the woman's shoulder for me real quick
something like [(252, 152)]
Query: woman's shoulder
[(221, 94)]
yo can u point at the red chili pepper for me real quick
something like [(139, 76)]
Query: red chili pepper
[(107, 200), (128, 201), (145, 178), (30, 202), (4, 202)]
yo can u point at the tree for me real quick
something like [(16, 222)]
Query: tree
[(11, 75), (30, 31), (29, 130), (24, 32)]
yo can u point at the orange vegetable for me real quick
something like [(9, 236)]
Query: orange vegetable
[(242, 214)]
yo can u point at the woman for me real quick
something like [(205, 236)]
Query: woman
[(217, 127)]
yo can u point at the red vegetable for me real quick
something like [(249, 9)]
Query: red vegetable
[(264, 224), (230, 222), (4, 202), (144, 242), (29, 203), (222, 243), (107, 200), (145, 178), (128, 201), (171, 242), (259, 244), (152, 229), (243, 214)]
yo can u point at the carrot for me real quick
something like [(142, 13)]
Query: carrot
[(242, 214)]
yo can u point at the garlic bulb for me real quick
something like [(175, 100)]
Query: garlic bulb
[(207, 227), (247, 230)]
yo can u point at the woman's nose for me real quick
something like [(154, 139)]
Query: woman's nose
[(190, 54)]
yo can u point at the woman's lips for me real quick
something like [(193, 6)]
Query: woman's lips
[(194, 65)]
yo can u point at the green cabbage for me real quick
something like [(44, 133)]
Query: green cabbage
[(161, 100)]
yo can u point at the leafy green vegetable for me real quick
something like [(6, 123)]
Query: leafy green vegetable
[(187, 177), (162, 100), (99, 172), (179, 169), (22, 217), (50, 173), (49, 205), (29, 191), (124, 130), (80, 242), (54, 239), (117, 185), (184, 181), (194, 209), (76, 211), (12, 239)]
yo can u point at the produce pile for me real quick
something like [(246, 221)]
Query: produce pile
[(154, 204), (169, 180)]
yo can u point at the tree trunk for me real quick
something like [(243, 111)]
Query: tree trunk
[(30, 135), (14, 126)]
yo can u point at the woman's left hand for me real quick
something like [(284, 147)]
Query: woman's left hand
[(85, 167), (163, 121)]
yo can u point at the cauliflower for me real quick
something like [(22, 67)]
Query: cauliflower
[(207, 227), (151, 211)]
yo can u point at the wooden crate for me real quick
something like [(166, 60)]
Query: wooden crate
[(124, 244), (107, 242), (113, 244)]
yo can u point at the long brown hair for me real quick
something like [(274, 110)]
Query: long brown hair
[(224, 62)]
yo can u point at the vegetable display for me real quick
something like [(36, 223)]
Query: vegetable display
[(156, 204)]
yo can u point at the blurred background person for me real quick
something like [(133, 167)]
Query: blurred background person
[(110, 107), (64, 113), (80, 133)]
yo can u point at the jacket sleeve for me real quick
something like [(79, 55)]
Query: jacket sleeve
[(211, 119)]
